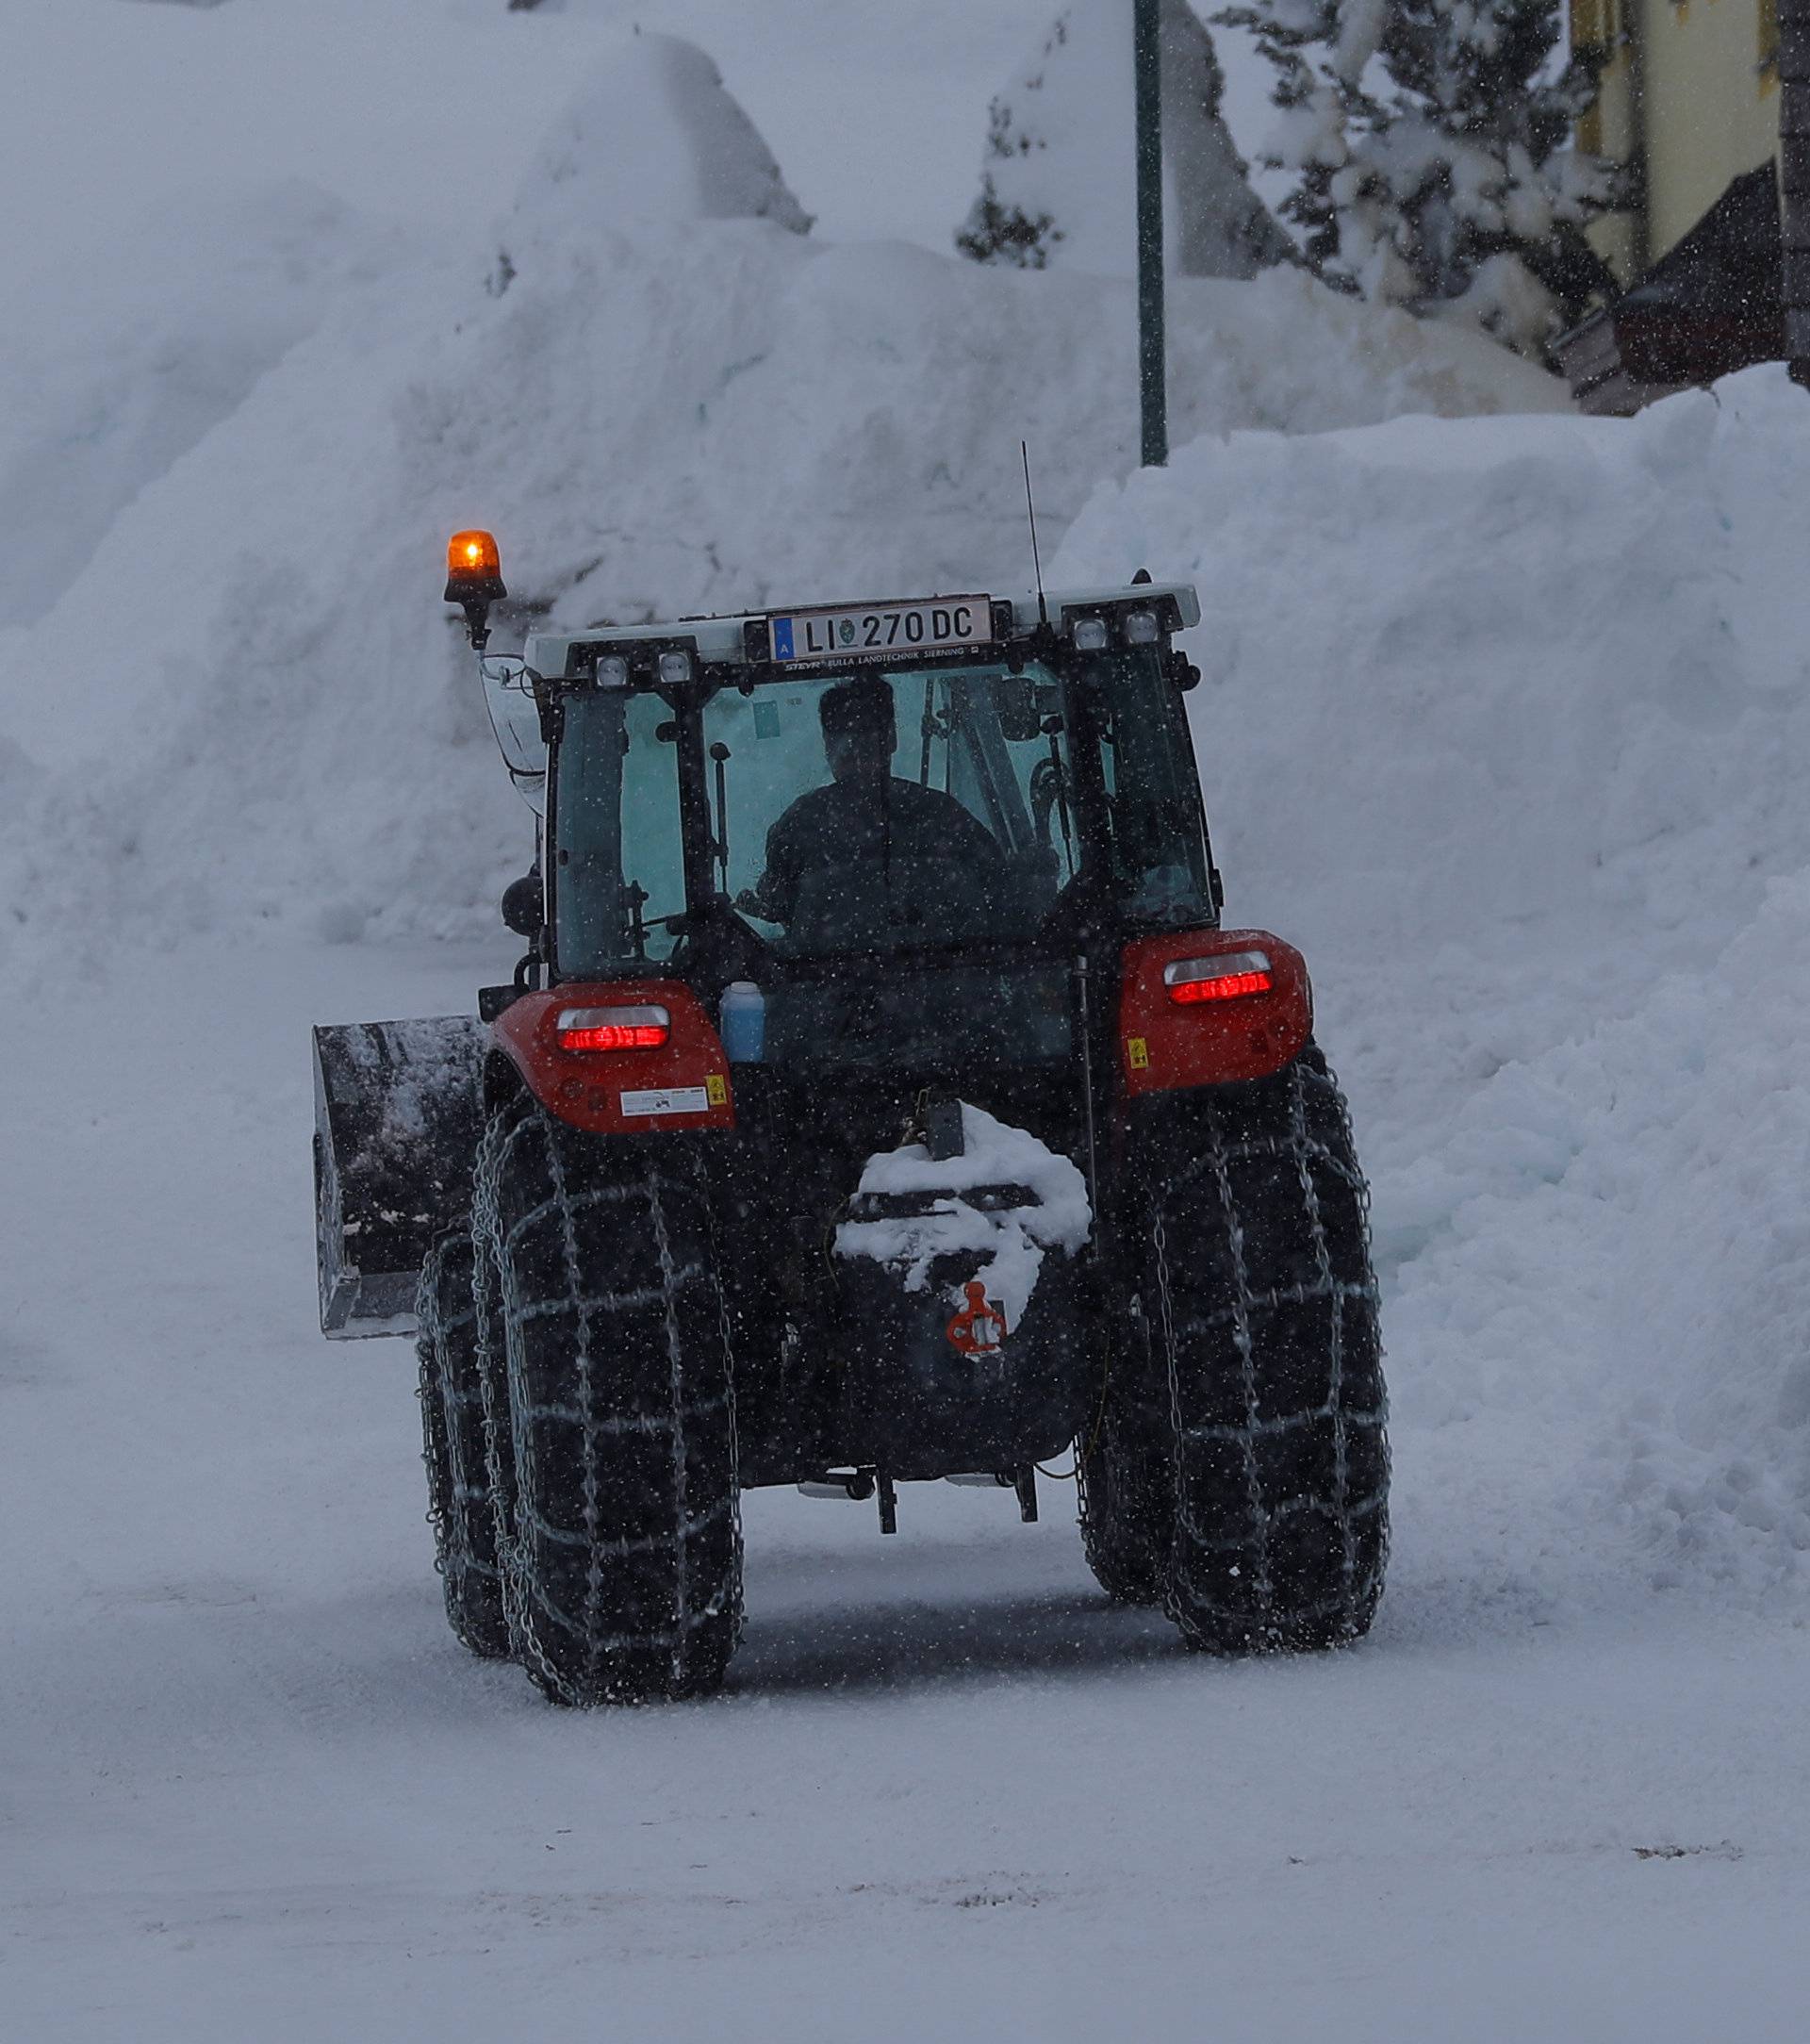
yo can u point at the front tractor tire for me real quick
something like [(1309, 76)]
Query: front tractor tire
[(624, 1563), (1242, 1467), (456, 1447)]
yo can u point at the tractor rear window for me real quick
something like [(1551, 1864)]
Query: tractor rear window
[(873, 813), (865, 813)]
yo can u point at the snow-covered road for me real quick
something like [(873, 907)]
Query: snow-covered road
[(252, 1787)]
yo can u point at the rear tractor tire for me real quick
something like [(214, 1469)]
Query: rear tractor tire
[(456, 1447), (624, 1558), (1251, 1442)]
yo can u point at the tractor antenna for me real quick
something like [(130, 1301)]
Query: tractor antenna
[(1030, 508)]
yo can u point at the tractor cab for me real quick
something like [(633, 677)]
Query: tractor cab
[(900, 822), (917, 837)]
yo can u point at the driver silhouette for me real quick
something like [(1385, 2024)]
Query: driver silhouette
[(866, 816)]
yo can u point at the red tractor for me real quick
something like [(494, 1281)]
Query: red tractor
[(879, 1100)]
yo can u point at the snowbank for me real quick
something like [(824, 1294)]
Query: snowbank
[(652, 136), (271, 718), (147, 354), (1509, 721), (1549, 664)]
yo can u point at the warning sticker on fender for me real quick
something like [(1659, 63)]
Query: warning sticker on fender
[(668, 1100)]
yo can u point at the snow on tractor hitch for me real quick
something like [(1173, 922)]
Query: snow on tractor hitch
[(879, 1100)]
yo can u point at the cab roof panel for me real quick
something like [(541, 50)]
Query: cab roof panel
[(722, 640)]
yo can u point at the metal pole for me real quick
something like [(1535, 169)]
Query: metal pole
[(1794, 184), (1152, 377)]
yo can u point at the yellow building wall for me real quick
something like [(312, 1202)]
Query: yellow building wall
[(1711, 113), (1693, 87)]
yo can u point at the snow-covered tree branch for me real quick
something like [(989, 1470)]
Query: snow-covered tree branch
[(1431, 143)]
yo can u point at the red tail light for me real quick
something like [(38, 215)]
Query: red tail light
[(1210, 1008), (613, 1028), (1229, 977)]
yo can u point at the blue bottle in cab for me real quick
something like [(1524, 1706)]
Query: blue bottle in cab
[(743, 1018)]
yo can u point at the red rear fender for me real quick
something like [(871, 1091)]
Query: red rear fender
[(1250, 1022), (682, 1084)]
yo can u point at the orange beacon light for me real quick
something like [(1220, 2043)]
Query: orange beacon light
[(474, 580), (473, 570)]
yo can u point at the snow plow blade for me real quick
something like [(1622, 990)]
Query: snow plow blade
[(396, 1119)]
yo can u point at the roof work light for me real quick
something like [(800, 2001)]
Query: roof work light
[(474, 581)]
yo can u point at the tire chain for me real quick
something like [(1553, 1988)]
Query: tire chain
[(427, 1392), (525, 1643), (501, 1132), (461, 1508), (499, 1431), (1299, 1147), (736, 1587)]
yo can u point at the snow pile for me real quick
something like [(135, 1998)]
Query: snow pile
[(1509, 722), (1616, 1235), (1059, 180), (429, 109), (651, 137), (249, 704), (171, 349), (1009, 1242)]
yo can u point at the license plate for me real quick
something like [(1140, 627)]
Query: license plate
[(875, 629)]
